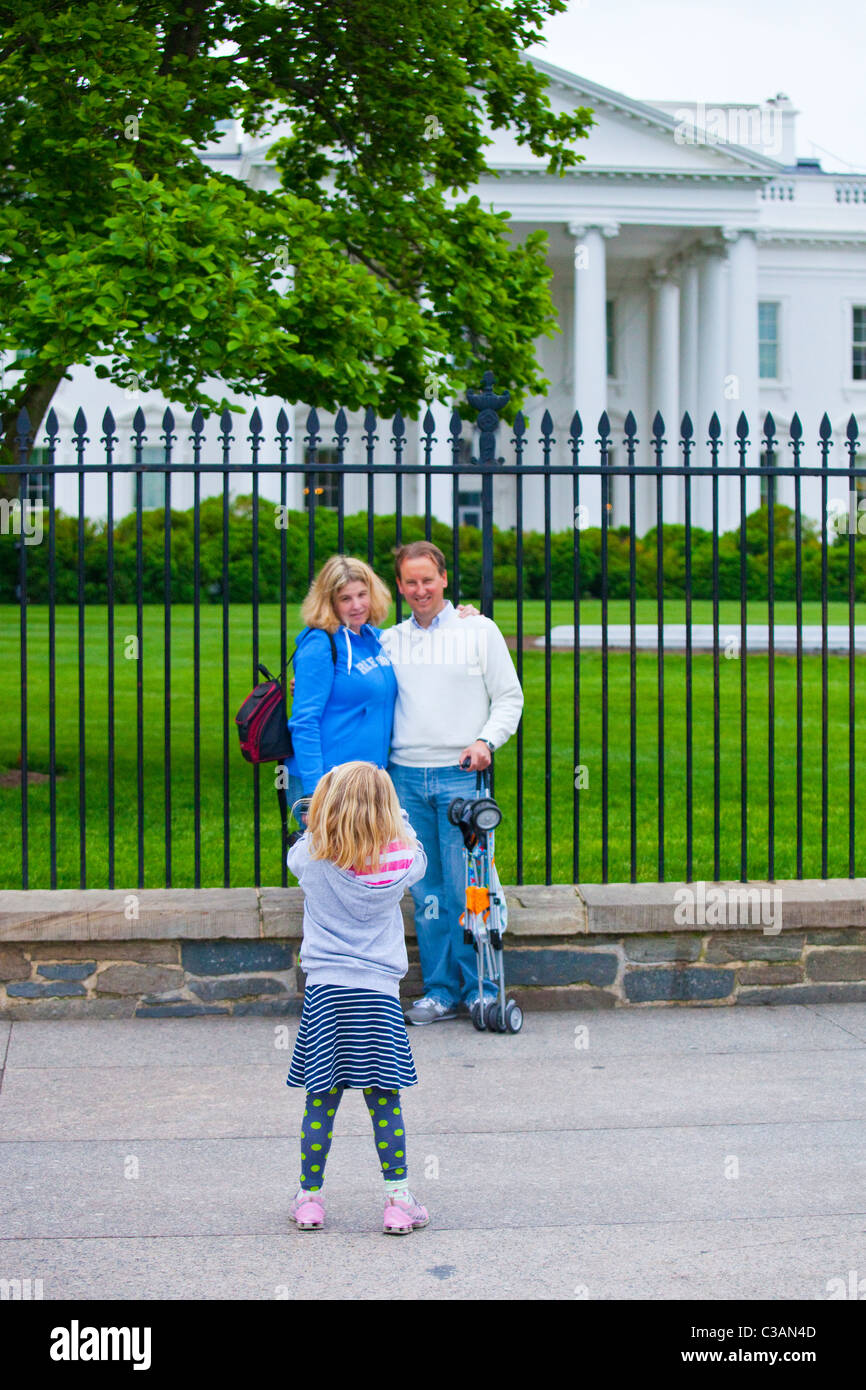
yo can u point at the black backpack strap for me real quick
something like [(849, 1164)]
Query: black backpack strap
[(301, 635)]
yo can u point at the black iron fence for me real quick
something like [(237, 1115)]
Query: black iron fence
[(672, 762)]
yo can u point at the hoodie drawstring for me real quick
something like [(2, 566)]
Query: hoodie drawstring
[(348, 648)]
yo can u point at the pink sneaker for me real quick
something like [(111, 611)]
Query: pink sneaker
[(308, 1212), (402, 1217)]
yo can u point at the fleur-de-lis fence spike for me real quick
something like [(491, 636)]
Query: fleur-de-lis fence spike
[(487, 404), (79, 429)]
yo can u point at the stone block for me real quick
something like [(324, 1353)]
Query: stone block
[(268, 1007), (17, 1011), (32, 989), (68, 971), (237, 987), (14, 965), (559, 966), (547, 1000), (184, 1010), (836, 965), (744, 946), (655, 984), (144, 952), (773, 973), (204, 958), (93, 914), (282, 912), (805, 994), (657, 948), (138, 979), (545, 909), (848, 936)]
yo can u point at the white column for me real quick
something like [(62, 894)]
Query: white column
[(689, 348), (589, 345), (712, 366), (664, 392), (742, 366)]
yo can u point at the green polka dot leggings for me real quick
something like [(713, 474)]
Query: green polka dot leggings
[(317, 1128)]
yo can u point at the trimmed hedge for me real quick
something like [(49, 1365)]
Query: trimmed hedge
[(506, 578)]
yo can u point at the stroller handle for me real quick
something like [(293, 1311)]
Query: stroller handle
[(480, 776)]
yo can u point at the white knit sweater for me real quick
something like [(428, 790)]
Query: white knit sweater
[(456, 683)]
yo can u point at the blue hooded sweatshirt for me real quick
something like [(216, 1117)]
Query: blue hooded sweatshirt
[(342, 711)]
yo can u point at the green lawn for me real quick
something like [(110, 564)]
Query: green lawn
[(242, 776)]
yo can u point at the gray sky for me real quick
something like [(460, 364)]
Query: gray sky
[(740, 51)]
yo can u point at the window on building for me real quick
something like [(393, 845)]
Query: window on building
[(858, 364), (326, 486), (152, 484), (769, 459), (611, 355), (469, 509), (768, 341)]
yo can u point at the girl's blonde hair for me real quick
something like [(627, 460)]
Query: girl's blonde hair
[(319, 607), (354, 814)]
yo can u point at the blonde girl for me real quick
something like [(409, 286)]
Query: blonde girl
[(356, 858)]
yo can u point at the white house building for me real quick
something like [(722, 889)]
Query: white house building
[(698, 266)]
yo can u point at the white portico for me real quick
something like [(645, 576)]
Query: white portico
[(697, 266)]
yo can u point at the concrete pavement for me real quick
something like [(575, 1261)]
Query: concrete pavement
[(672, 1153)]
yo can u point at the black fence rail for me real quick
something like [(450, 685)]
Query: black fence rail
[(686, 781)]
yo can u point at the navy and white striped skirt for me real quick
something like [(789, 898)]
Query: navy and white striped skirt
[(351, 1037)]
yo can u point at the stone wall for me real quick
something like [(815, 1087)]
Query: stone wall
[(165, 953)]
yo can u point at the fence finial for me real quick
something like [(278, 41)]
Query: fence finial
[(488, 404)]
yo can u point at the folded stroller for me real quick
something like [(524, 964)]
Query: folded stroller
[(486, 915)]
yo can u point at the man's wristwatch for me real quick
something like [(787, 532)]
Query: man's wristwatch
[(487, 741)]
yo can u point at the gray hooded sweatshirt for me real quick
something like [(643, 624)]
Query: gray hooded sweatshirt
[(353, 930)]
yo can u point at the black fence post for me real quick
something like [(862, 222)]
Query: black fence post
[(488, 405)]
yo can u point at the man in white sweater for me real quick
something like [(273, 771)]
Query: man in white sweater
[(458, 697)]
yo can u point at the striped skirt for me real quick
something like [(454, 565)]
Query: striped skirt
[(351, 1037)]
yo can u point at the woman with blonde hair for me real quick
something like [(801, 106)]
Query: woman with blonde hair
[(345, 688), (355, 859)]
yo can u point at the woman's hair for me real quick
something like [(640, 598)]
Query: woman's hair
[(354, 814), (319, 607)]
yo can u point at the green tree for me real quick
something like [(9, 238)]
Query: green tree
[(363, 275)]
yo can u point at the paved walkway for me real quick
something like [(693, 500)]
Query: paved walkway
[(676, 1153)]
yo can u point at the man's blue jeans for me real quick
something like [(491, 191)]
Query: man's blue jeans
[(448, 965)]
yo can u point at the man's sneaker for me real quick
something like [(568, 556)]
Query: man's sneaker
[(429, 1010), (402, 1217), (309, 1212)]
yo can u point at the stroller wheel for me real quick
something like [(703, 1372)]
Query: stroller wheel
[(492, 1016), (513, 1017), (476, 1016)]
